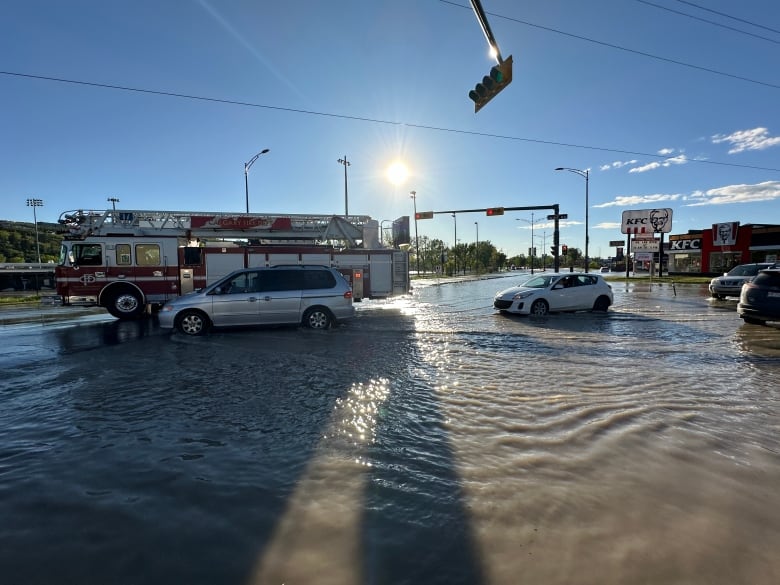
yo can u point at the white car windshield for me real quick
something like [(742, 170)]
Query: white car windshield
[(538, 282)]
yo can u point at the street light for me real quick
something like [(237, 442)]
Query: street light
[(476, 248), (413, 195), (455, 246), (532, 222), (247, 166), (585, 174), (113, 201), (346, 163), (36, 203)]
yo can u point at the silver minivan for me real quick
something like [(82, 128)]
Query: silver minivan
[(312, 296)]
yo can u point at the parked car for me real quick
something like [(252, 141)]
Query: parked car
[(730, 284), (759, 301), (545, 293), (312, 296)]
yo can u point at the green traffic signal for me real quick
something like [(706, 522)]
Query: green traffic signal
[(500, 76)]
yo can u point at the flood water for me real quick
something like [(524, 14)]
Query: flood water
[(431, 440)]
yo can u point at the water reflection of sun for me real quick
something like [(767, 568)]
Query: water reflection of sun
[(397, 172)]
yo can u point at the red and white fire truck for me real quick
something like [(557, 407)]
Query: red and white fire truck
[(133, 261)]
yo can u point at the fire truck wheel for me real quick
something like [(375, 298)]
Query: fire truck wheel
[(317, 318), (127, 304), (192, 323)]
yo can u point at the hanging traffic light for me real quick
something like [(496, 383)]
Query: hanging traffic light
[(423, 215), (564, 249), (500, 76), (494, 211), (554, 250)]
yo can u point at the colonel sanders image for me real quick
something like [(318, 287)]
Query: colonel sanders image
[(658, 218), (724, 234)]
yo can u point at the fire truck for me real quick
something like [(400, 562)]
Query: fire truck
[(132, 261)]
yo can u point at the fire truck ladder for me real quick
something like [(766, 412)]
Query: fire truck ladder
[(201, 224)]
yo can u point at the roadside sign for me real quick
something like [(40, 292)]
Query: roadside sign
[(559, 216), (645, 245), (614, 243), (647, 221)]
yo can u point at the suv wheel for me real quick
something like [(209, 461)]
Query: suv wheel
[(317, 318)]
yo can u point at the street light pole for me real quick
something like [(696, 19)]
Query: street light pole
[(476, 248), (531, 250), (455, 246), (586, 175), (247, 166), (36, 203), (413, 195), (113, 201), (346, 163)]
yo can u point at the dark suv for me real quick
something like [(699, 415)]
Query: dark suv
[(759, 301)]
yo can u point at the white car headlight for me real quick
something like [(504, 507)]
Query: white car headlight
[(523, 295)]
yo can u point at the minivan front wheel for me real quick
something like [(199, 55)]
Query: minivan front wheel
[(317, 318), (192, 323)]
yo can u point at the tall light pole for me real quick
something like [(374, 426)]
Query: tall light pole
[(455, 246), (413, 195), (346, 163), (247, 166), (476, 248), (585, 174), (113, 201), (531, 250), (36, 203)]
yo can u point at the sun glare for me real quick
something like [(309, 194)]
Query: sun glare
[(397, 173)]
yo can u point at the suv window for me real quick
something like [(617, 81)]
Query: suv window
[(770, 279)]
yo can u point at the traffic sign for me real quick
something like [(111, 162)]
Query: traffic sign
[(559, 216), (616, 242)]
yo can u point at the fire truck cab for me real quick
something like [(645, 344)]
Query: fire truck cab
[(131, 262)]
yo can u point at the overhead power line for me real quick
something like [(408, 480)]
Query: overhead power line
[(723, 14), (372, 120), (627, 50), (712, 22)]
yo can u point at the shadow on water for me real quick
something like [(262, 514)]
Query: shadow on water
[(174, 460)]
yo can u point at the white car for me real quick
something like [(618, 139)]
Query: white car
[(548, 293)]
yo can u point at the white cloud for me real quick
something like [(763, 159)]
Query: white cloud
[(666, 151), (633, 200), (766, 191), (742, 140), (618, 164), (680, 159), (608, 225)]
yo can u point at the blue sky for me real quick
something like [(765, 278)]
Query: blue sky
[(665, 103)]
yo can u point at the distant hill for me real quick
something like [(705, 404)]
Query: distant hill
[(17, 241)]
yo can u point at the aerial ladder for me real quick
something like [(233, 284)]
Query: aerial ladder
[(204, 225)]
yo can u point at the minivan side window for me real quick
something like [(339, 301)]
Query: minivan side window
[(314, 279), (280, 280)]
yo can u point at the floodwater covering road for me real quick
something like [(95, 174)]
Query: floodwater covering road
[(431, 440)]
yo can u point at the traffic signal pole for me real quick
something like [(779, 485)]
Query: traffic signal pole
[(490, 211)]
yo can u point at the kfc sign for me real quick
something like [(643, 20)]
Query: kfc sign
[(691, 244), (647, 221)]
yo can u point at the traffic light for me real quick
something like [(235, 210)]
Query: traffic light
[(554, 250), (564, 249), (500, 76), (423, 215), (494, 211)]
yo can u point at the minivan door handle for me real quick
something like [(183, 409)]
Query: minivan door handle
[(252, 299), (267, 298)]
